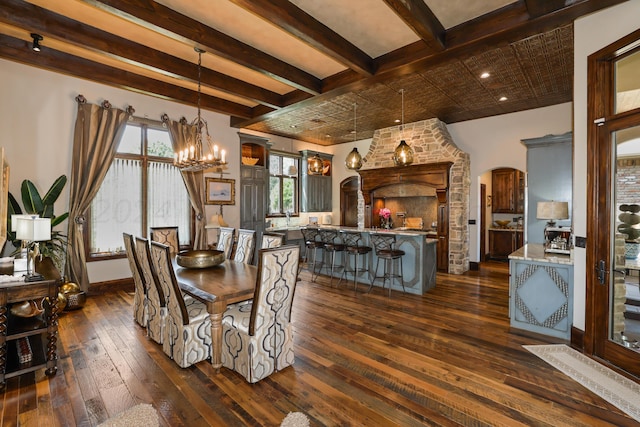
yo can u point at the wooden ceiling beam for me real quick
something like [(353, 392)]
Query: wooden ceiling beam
[(419, 17), (492, 30), (20, 50), (36, 19), (295, 21), (170, 23)]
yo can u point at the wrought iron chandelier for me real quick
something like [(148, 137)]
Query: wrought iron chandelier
[(354, 159), (403, 154), (196, 157)]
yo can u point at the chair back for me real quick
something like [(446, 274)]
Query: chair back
[(225, 241), (168, 236), (155, 292), (134, 265), (272, 240), (328, 236), (352, 239), (383, 242), (245, 247), (310, 234), (163, 270), (275, 286)]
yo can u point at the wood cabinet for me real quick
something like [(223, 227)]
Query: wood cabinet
[(507, 192), (40, 332), (315, 190), (504, 242)]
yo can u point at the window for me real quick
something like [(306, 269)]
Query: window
[(283, 184), (142, 189)]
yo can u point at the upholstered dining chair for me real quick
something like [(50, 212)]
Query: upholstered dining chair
[(140, 302), (157, 306), (245, 246), (168, 236), (272, 240), (225, 241), (257, 337), (188, 327)]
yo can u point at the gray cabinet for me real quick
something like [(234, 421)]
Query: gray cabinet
[(315, 190), (254, 183)]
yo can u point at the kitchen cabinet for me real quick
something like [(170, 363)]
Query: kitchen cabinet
[(254, 184), (502, 242), (315, 190), (507, 194), (38, 333)]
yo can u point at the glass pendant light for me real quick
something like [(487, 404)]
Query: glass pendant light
[(354, 159), (403, 154), (314, 165)]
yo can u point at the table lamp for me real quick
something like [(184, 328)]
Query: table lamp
[(552, 211), (32, 230)]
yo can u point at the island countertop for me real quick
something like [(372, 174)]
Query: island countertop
[(535, 252), (398, 231)]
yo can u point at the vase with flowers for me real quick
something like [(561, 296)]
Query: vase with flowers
[(385, 218)]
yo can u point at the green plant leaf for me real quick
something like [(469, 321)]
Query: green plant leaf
[(54, 192), (57, 220), (31, 199)]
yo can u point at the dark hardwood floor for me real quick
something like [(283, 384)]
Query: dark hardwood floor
[(446, 358)]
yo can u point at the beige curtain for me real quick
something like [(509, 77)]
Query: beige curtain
[(181, 132), (97, 131)]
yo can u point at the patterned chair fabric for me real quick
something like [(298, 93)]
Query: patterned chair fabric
[(245, 247), (188, 337), (157, 306), (167, 236), (258, 336), (272, 240), (225, 241), (140, 302)]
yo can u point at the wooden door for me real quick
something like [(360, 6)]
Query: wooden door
[(483, 222), (613, 133), (349, 202), (502, 190)]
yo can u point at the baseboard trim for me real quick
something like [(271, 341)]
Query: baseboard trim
[(577, 339), (112, 285)]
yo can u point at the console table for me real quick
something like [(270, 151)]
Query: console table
[(41, 330)]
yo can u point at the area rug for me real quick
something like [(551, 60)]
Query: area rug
[(611, 386), (139, 415), (295, 419)]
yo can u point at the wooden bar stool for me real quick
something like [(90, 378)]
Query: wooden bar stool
[(355, 248), (384, 245), (331, 245)]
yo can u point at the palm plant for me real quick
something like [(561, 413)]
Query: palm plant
[(34, 204)]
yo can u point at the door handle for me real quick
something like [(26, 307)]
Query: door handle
[(602, 272)]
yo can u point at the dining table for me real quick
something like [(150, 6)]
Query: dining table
[(218, 286)]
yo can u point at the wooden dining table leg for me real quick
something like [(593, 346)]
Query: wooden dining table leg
[(216, 310)]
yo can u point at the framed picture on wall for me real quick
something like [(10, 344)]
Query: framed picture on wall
[(220, 191)]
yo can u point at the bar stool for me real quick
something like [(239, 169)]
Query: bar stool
[(332, 245), (384, 245), (354, 248), (312, 245)]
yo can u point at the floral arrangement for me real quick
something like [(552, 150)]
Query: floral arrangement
[(385, 213)]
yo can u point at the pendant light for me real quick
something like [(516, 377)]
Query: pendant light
[(403, 154), (194, 158), (354, 159), (314, 165)]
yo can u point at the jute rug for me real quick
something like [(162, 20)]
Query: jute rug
[(139, 415), (611, 386)]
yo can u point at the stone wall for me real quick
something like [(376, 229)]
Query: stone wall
[(431, 143)]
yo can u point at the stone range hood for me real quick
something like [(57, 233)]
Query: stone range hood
[(438, 164)]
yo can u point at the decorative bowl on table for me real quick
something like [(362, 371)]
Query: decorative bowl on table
[(502, 223), (200, 258), (251, 161)]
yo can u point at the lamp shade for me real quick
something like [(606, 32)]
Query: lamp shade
[(552, 210), (14, 220), (217, 221), (33, 229)]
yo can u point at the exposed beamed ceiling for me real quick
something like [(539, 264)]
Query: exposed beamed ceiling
[(296, 68)]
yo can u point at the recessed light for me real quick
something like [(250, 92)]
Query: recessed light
[(503, 98), (397, 120), (293, 126), (484, 75)]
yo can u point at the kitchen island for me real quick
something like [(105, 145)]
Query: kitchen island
[(419, 261)]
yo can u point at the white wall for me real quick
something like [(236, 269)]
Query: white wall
[(611, 24)]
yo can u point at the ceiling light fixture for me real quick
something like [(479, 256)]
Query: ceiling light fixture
[(37, 38), (485, 75), (194, 158), (403, 154), (354, 159), (315, 165), (503, 98)]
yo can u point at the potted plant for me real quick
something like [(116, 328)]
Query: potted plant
[(630, 227), (33, 203)]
